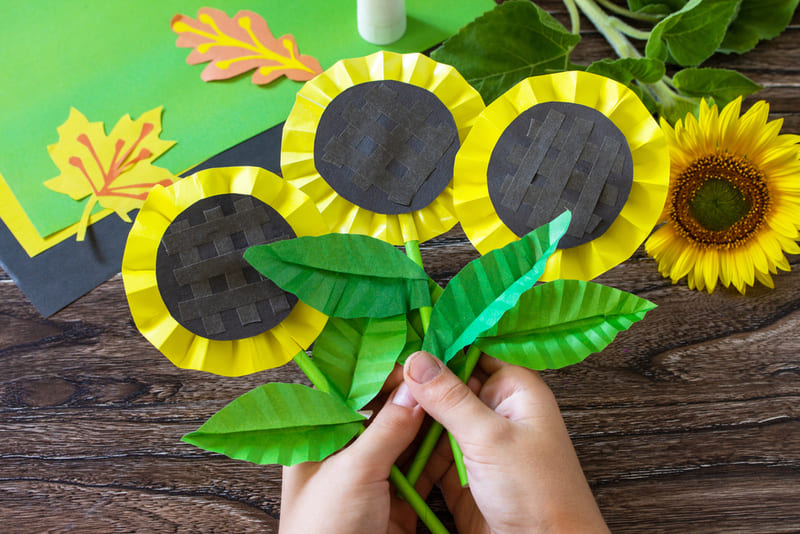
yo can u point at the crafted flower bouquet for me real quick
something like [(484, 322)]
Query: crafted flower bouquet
[(235, 270)]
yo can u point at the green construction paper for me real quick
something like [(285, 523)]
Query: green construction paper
[(279, 424), (357, 355), (476, 297), (344, 275), (560, 323), (108, 59)]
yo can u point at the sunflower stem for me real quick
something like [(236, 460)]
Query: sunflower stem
[(314, 374), (574, 16), (610, 28), (625, 12), (423, 511)]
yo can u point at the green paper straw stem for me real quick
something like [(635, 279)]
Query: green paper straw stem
[(423, 511), (435, 431), (409, 494), (311, 370), (424, 452), (458, 459), (412, 251)]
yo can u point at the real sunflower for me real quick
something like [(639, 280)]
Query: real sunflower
[(190, 291), (372, 141), (571, 140), (734, 200)]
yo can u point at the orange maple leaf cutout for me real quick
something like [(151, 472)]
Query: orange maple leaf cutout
[(115, 170), (239, 44)]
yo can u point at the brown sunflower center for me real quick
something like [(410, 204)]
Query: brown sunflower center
[(720, 200)]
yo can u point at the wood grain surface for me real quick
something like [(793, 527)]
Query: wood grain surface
[(688, 422)]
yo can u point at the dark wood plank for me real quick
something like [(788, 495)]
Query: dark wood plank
[(688, 422)]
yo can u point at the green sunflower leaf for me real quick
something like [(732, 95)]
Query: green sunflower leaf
[(721, 84), (689, 36), (358, 354), (625, 70), (757, 20), (279, 424), (513, 41), (560, 323), (344, 275), (476, 297)]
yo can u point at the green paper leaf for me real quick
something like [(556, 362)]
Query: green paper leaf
[(358, 354), (476, 297), (625, 70), (560, 323), (279, 423), (513, 41), (689, 36), (757, 20), (415, 331), (344, 275), (721, 84)]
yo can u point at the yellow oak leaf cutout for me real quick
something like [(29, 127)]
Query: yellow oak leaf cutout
[(239, 44), (115, 170)]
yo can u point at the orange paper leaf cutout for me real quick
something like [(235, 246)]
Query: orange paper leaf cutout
[(239, 44), (115, 170)]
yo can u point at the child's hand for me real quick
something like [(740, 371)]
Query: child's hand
[(349, 492), (523, 473)]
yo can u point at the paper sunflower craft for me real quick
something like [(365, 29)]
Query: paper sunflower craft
[(734, 200), (372, 141), (191, 292), (571, 140)]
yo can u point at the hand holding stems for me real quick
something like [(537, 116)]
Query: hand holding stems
[(524, 474), (350, 491)]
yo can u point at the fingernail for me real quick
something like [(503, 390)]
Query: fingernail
[(424, 368), (403, 397)]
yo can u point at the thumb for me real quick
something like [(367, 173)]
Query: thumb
[(446, 398)]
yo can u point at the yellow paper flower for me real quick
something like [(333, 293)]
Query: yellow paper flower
[(571, 140), (190, 291), (734, 200), (372, 141)]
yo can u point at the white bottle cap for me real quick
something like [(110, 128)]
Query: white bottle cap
[(381, 22)]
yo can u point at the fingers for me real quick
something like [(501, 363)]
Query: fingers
[(446, 398), (388, 435), (518, 394)]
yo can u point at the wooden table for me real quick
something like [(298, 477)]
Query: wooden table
[(688, 422)]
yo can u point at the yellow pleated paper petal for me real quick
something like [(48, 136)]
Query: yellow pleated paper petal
[(184, 348), (648, 192), (297, 147)]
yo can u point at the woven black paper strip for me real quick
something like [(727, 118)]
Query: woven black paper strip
[(204, 280), (386, 146), (556, 156)]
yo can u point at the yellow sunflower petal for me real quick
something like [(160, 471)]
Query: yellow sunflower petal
[(187, 349), (300, 130), (649, 152)]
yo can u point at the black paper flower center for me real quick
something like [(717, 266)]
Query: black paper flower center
[(556, 156), (203, 278), (386, 146)]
